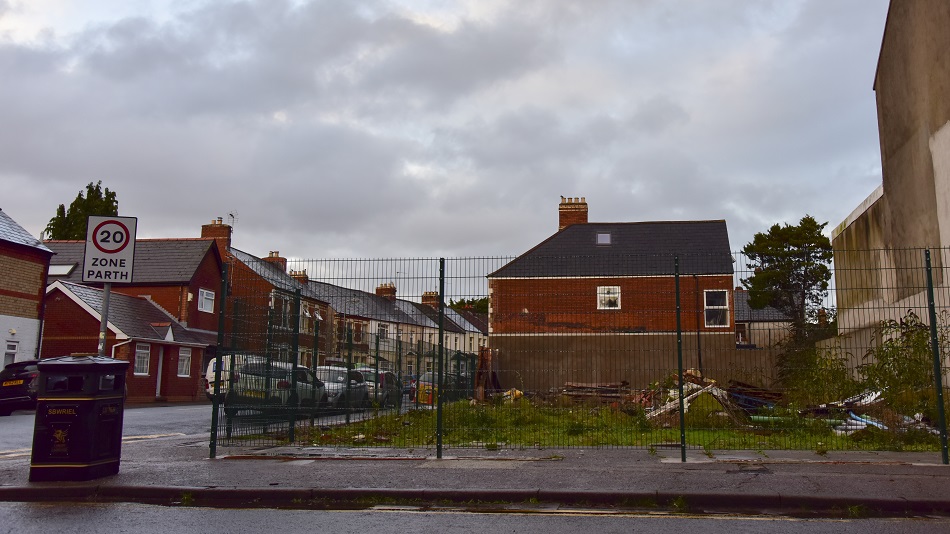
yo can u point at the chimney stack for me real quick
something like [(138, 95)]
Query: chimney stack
[(431, 298), (387, 291), (572, 211), (275, 258), (221, 233), (300, 276)]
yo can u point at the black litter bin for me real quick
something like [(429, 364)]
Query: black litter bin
[(78, 429)]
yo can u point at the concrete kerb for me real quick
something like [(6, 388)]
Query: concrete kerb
[(354, 498)]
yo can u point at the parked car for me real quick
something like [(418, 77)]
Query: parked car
[(457, 386), (226, 378), (384, 388), (18, 383), (272, 384), (338, 396)]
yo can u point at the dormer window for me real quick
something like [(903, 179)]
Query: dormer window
[(603, 238)]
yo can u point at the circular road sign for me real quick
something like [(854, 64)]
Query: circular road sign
[(111, 236)]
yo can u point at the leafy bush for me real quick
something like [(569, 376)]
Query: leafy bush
[(815, 375), (902, 367)]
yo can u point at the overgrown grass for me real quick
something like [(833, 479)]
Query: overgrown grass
[(529, 424)]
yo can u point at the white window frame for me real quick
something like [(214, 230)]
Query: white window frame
[(604, 294), (184, 357), (9, 353), (382, 330), (143, 353), (707, 308), (205, 300)]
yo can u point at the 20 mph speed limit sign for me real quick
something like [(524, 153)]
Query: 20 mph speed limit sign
[(110, 249)]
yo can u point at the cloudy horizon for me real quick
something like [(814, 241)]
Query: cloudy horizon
[(422, 129)]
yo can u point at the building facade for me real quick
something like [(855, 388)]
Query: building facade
[(597, 302), (24, 262)]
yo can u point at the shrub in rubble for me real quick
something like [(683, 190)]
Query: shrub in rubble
[(901, 364), (820, 375)]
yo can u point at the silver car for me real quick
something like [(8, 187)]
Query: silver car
[(340, 396), (272, 384)]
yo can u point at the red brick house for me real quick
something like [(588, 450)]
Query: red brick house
[(182, 276), (596, 302), (164, 355), (260, 304), (24, 262)]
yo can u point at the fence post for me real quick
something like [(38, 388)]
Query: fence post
[(293, 400), (216, 390), (314, 362), (679, 357), (376, 389), (440, 385), (349, 366), (935, 350)]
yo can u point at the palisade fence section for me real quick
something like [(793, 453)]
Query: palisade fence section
[(635, 351)]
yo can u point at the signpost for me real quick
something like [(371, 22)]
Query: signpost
[(110, 251)]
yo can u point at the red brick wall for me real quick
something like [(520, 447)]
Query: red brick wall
[(174, 298), (248, 303), (169, 297), (570, 305), (68, 329), (207, 276), (24, 280)]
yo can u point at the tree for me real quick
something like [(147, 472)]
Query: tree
[(71, 223), (476, 305), (790, 266)]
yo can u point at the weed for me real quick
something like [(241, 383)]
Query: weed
[(679, 505), (186, 499), (858, 511)]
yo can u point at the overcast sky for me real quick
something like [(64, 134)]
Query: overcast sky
[(437, 128)]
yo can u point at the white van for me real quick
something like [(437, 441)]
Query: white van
[(239, 359)]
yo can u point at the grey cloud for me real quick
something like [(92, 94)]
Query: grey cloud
[(694, 109)]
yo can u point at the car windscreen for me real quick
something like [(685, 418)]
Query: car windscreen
[(265, 371), (369, 376)]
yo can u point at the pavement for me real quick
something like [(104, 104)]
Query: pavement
[(176, 470)]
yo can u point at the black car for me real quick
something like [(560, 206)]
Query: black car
[(18, 383)]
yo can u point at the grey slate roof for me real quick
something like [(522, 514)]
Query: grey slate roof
[(476, 319), (268, 271), (14, 233), (636, 249), (357, 303), (745, 313), (138, 317), (157, 261), (372, 306), (432, 315)]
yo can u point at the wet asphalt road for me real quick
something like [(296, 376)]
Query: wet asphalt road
[(29, 518), (16, 430)]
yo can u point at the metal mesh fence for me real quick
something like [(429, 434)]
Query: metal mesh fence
[(614, 351)]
